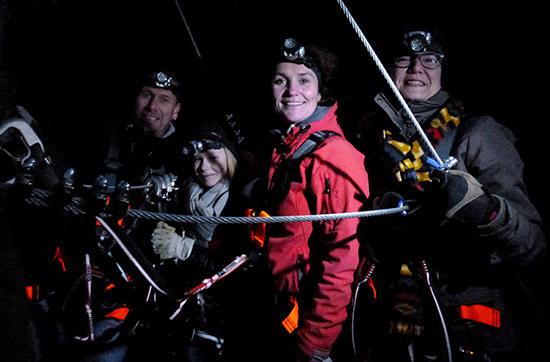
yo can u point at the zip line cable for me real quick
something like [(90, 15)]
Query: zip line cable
[(393, 87)]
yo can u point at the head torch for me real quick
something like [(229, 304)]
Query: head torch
[(295, 52), (420, 42), (162, 80), (194, 147), (165, 81)]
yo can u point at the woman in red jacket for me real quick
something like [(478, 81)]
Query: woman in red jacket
[(312, 263)]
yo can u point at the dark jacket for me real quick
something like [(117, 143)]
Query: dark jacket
[(134, 156), (470, 265)]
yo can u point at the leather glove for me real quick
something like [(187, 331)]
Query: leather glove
[(464, 199), (167, 244)]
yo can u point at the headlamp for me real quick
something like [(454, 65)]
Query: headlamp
[(421, 41), (162, 80), (294, 52), (192, 148)]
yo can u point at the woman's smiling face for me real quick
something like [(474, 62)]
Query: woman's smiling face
[(295, 90)]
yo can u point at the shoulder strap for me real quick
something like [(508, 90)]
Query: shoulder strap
[(311, 144)]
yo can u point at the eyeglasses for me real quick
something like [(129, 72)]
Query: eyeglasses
[(428, 60)]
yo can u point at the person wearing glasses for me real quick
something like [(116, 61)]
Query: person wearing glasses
[(446, 273)]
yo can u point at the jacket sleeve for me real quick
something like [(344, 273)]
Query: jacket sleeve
[(339, 184), (487, 151)]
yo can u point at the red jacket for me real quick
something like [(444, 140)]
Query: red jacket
[(332, 179)]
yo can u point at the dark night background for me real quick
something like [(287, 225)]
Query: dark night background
[(75, 62)]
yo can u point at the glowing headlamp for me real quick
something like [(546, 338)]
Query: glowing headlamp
[(294, 52), (192, 148), (162, 80), (421, 41)]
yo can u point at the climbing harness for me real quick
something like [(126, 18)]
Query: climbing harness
[(423, 138), (413, 164), (408, 166)]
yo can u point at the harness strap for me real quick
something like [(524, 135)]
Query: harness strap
[(119, 313), (481, 313), (413, 163), (311, 144), (290, 323)]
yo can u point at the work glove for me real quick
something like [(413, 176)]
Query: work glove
[(167, 244), (317, 356), (463, 199)]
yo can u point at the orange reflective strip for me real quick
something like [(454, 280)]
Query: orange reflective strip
[(59, 258), (29, 291), (290, 323), (373, 288), (109, 287), (119, 313), (481, 313)]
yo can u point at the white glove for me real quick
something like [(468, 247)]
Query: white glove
[(167, 244)]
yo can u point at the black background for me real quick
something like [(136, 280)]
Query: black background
[(76, 62)]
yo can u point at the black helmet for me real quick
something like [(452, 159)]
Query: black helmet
[(164, 80), (205, 136), (419, 41)]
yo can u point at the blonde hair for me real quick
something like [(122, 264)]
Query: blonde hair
[(231, 163)]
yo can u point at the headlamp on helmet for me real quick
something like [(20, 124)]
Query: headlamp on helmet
[(164, 80), (194, 147), (420, 42), (294, 52)]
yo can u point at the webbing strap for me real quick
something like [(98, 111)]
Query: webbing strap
[(311, 144), (118, 314), (481, 313), (412, 162), (290, 323)]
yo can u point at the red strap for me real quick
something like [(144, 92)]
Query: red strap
[(59, 258), (119, 313), (32, 292), (481, 313)]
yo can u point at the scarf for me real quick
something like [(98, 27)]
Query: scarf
[(205, 202)]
